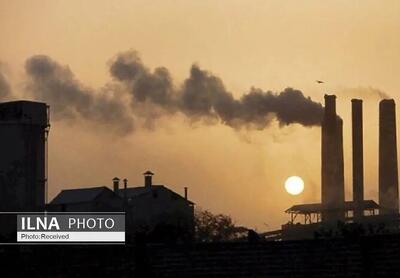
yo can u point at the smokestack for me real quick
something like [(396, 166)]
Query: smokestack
[(388, 173), (148, 175), (116, 184), (340, 166), (125, 193), (186, 193), (332, 178), (358, 157)]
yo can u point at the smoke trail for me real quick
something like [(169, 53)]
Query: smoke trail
[(152, 94), (155, 87), (56, 85), (204, 95)]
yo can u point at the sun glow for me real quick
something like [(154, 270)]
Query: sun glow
[(294, 185)]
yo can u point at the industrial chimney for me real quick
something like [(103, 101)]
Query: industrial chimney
[(332, 177), (125, 194), (388, 173), (358, 157), (340, 167), (148, 175), (116, 184)]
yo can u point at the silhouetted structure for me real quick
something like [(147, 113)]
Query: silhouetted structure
[(312, 222), (334, 212), (358, 157), (24, 127), (150, 209), (151, 206), (115, 184), (332, 178), (388, 172)]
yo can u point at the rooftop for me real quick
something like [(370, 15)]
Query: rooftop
[(317, 207), (80, 195), (133, 192)]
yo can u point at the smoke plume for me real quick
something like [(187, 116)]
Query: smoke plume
[(56, 85), (204, 95), (152, 93)]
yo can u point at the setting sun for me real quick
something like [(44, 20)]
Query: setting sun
[(294, 185)]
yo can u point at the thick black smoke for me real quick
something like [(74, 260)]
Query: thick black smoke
[(204, 95), (155, 87), (56, 85), (5, 89)]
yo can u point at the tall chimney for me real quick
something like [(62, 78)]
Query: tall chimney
[(186, 193), (340, 168), (148, 175), (116, 184), (358, 157), (388, 173), (125, 193), (332, 178)]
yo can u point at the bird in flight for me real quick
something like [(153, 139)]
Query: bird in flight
[(319, 81)]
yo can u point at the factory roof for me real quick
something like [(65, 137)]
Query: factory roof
[(80, 195), (133, 192), (317, 207)]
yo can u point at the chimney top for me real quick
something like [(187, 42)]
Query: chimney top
[(148, 173), (115, 184), (148, 178), (330, 104), (383, 101), (326, 96)]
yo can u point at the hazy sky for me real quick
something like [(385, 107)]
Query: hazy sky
[(352, 45)]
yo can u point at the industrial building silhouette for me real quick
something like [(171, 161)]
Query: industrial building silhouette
[(24, 128), (333, 211), (148, 207)]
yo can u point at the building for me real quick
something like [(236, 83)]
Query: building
[(151, 206), (24, 127), (94, 199), (148, 208), (306, 219)]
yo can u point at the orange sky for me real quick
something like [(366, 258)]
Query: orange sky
[(353, 45)]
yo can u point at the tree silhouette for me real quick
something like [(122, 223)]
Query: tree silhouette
[(211, 227)]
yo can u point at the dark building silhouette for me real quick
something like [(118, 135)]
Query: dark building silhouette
[(153, 205), (147, 207), (24, 127), (311, 222), (388, 172), (332, 178), (358, 157)]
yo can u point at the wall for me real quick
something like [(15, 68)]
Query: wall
[(376, 256)]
